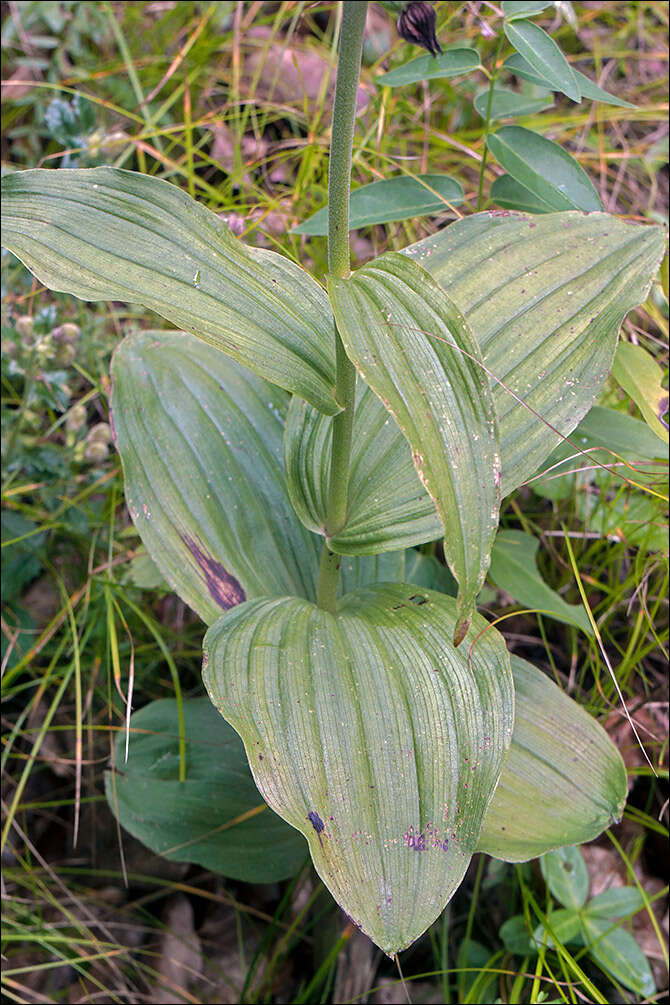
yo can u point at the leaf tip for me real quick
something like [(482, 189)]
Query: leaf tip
[(461, 630)]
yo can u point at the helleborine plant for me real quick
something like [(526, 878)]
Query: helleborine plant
[(286, 428)]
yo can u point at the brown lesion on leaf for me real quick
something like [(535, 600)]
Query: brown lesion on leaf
[(222, 585)]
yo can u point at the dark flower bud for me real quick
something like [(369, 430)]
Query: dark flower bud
[(416, 24)]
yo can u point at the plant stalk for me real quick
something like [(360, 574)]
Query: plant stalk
[(339, 183), (495, 73)]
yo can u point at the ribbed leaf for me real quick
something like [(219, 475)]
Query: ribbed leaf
[(366, 570), (415, 350), (105, 234), (564, 781), (545, 168), (449, 63), (544, 56), (427, 571), (392, 199), (388, 506), (215, 817), (545, 297), (200, 439), (372, 735)]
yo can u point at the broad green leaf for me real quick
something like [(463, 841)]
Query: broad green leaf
[(200, 439), (508, 104), (372, 735), (619, 435), (617, 902), (515, 9), (566, 875), (565, 926), (617, 952), (543, 55), (545, 297), (640, 376), (106, 234), (511, 194), (426, 571), (392, 199), (416, 351), (564, 781), (517, 64), (388, 507), (545, 168), (516, 938), (450, 63), (514, 569), (216, 817), (609, 507), (366, 570)]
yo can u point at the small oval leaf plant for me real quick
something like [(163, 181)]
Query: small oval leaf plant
[(292, 439)]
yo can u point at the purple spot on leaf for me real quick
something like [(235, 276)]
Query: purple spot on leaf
[(222, 585), (415, 841), (316, 821)]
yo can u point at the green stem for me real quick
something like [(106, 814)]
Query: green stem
[(492, 83), (339, 181)]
